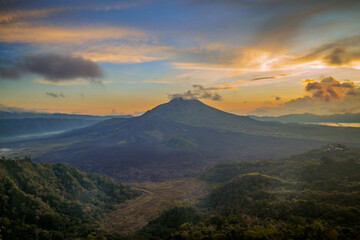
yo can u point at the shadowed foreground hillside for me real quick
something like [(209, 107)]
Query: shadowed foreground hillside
[(315, 195), (54, 201)]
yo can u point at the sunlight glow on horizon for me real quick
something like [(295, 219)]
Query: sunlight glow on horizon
[(146, 51)]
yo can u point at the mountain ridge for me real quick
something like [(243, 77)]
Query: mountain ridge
[(177, 139), (312, 118)]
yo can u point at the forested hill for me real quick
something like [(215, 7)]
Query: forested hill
[(315, 195), (54, 201)]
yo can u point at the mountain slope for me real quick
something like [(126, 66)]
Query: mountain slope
[(53, 201), (179, 139), (196, 113)]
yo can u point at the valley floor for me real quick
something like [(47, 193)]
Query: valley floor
[(156, 197)]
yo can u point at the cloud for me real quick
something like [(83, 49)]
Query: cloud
[(11, 12), (285, 25), (55, 95), (288, 17), (329, 89), (197, 92), (200, 87), (328, 96), (124, 52), (41, 33), (13, 15), (271, 77), (54, 67), (97, 43), (277, 98), (341, 52), (307, 81)]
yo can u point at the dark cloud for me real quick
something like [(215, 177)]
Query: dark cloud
[(327, 96), (277, 98), (55, 95), (287, 17), (53, 67), (9, 72), (270, 77), (329, 89), (197, 92), (339, 52)]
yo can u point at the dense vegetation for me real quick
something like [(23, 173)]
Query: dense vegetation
[(315, 195), (54, 201)]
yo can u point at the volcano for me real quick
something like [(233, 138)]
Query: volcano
[(177, 139)]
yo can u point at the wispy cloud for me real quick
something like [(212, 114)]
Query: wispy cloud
[(271, 77), (198, 92), (7, 16), (124, 53), (43, 33), (340, 52), (218, 88), (14, 12), (55, 95)]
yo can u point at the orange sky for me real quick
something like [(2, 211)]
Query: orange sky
[(123, 57)]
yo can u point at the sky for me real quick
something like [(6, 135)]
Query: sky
[(258, 57)]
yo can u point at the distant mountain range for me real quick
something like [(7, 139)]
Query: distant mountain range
[(312, 118), (23, 124), (178, 139), (17, 115)]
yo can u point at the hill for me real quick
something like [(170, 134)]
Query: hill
[(307, 196), (54, 201)]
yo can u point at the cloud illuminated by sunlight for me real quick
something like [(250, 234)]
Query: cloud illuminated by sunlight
[(27, 33), (73, 82)]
